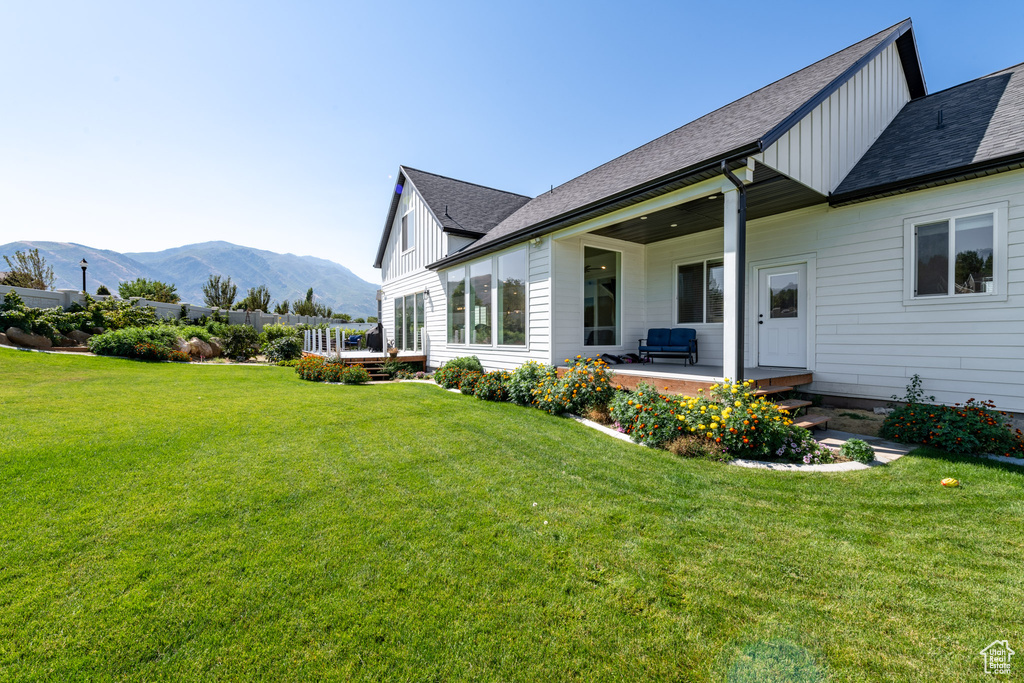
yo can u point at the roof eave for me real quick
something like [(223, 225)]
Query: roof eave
[(998, 165), (563, 220), (392, 210)]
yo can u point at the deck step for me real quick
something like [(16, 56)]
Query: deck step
[(771, 389), (812, 421), (792, 404)]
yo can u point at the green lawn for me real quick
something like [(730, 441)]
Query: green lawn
[(169, 522)]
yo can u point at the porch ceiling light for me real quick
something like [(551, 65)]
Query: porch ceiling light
[(643, 218), (673, 225), (714, 196)]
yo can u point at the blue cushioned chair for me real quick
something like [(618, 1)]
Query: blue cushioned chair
[(679, 342)]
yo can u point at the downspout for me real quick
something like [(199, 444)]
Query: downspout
[(741, 266)]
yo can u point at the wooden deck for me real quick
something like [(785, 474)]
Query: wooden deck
[(679, 378)]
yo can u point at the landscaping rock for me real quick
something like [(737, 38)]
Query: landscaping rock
[(32, 341), (200, 348), (4, 340), (79, 336), (183, 346), (215, 348), (98, 330), (64, 342), (883, 411)]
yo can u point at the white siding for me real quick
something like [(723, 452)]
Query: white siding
[(428, 245), (867, 341), (822, 148), (568, 296)]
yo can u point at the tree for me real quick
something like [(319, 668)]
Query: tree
[(28, 269), (257, 299), (282, 308), (102, 291), (219, 293), (371, 319), (359, 320), (154, 290)]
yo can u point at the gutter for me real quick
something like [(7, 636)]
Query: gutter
[(741, 266)]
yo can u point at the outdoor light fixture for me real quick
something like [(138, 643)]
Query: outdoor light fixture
[(84, 264), (673, 225), (643, 218), (714, 196)]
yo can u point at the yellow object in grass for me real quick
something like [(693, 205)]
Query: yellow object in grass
[(950, 481)]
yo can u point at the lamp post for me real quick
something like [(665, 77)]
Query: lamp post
[(84, 264)]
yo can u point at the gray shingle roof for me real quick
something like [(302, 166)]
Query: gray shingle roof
[(470, 207), (733, 128), (462, 207), (982, 122)]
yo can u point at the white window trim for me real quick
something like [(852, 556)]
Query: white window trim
[(394, 321), (520, 348), (409, 233), (704, 281), (1000, 221)]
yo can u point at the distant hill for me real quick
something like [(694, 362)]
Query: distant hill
[(287, 276)]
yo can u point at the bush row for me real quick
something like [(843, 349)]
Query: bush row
[(319, 369)]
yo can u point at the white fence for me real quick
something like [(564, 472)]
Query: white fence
[(37, 298)]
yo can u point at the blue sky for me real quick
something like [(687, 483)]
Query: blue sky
[(140, 126)]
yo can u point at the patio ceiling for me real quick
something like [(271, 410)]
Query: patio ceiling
[(771, 193)]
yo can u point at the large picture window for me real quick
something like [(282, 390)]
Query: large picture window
[(480, 302), (457, 306), (487, 301), (512, 298), (700, 292), (955, 256), (601, 297)]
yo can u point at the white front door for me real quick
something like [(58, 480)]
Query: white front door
[(782, 316)]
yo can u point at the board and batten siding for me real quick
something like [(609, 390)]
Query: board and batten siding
[(867, 339), (429, 245), (826, 144)]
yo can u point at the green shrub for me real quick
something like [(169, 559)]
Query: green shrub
[(585, 385), (524, 379), (198, 331), (493, 386), (972, 428), (114, 314), (272, 333), (857, 449), (392, 367), (471, 363), (283, 349), (646, 416), (123, 342), (449, 377), (355, 374), (241, 342), (470, 378)]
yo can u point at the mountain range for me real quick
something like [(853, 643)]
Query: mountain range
[(287, 276)]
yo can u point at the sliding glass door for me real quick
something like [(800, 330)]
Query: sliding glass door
[(409, 322)]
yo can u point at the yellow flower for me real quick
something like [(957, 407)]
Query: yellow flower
[(738, 403), (714, 425)]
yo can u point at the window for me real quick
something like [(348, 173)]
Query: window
[(457, 306), (480, 303), (399, 324), (408, 231), (512, 298), (700, 292), (409, 321), (601, 273), (954, 256), (487, 301)]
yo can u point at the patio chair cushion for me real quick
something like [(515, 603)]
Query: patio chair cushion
[(682, 336), (659, 336)]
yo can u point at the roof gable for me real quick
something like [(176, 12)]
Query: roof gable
[(460, 207), (982, 125), (744, 127)]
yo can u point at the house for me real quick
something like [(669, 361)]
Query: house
[(841, 223)]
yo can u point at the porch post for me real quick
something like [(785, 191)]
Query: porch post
[(734, 271)]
